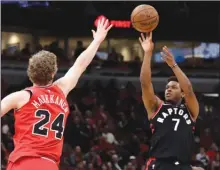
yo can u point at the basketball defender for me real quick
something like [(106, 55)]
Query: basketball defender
[(41, 110), (172, 121)]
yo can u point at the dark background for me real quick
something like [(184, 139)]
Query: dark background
[(178, 20)]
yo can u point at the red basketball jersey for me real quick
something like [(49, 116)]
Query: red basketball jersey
[(39, 124)]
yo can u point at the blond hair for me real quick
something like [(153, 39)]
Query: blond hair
[(42, 67)]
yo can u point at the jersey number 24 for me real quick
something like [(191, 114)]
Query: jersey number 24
[(57, 124)]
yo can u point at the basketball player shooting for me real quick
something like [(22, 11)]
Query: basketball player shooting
[(41, 111), (172, 121)]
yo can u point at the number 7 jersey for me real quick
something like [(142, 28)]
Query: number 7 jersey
[(172, 133), (40, 123)]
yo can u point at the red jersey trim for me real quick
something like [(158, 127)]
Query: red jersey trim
[(149, 162), (49, 85), (158, 109)]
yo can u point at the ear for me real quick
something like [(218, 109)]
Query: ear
[(53, 74), (182, 95)]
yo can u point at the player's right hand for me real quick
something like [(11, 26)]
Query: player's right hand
[(102, 30), (146, 42)]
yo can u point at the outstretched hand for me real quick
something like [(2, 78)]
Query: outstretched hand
[(146, 42), (167, 56), (102, 30)]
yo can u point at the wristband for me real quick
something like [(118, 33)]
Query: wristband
[(174, 65)]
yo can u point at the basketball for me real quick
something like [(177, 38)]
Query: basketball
[(144, 18)]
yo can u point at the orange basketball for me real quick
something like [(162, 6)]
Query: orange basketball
[(144, 18)]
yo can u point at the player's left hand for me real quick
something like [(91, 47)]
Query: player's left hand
[(102, 30), (167, 56)]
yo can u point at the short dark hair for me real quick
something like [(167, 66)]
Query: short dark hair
[(172, 78)]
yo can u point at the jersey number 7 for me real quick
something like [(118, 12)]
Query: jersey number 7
[(176, 124), (57, 125)]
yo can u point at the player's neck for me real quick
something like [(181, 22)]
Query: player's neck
[(174, 102), (36, 85)]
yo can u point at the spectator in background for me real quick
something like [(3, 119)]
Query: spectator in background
[(79, 49), (80, 166), (216, 163), (109, 137), (46, 47), (115, 162), (38, 48), (90, 120), (59, 52), (203, 158), (101, 116), (133, 145), (93, 158), (110, 166), (89, 100), (4, 54), (212, 152), (114, 57), (76, 156), (90, 166), (129, 166), (133, 161), (77, 134), (26, 51), (206, 138), (123, 122), (135, 65), (104, 167)]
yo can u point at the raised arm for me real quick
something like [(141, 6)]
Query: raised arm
[(69, 81), (151, 102), (185, 84), (14, 101)]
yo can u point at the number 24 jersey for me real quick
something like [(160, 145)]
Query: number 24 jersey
[(40, 123)]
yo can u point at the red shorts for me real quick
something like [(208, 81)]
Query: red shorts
[(32, 163)]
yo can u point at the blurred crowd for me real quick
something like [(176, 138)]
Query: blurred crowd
[(113, 58), (70, 55), (108, 129)]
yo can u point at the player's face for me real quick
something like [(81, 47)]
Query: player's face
[(173, 92)]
